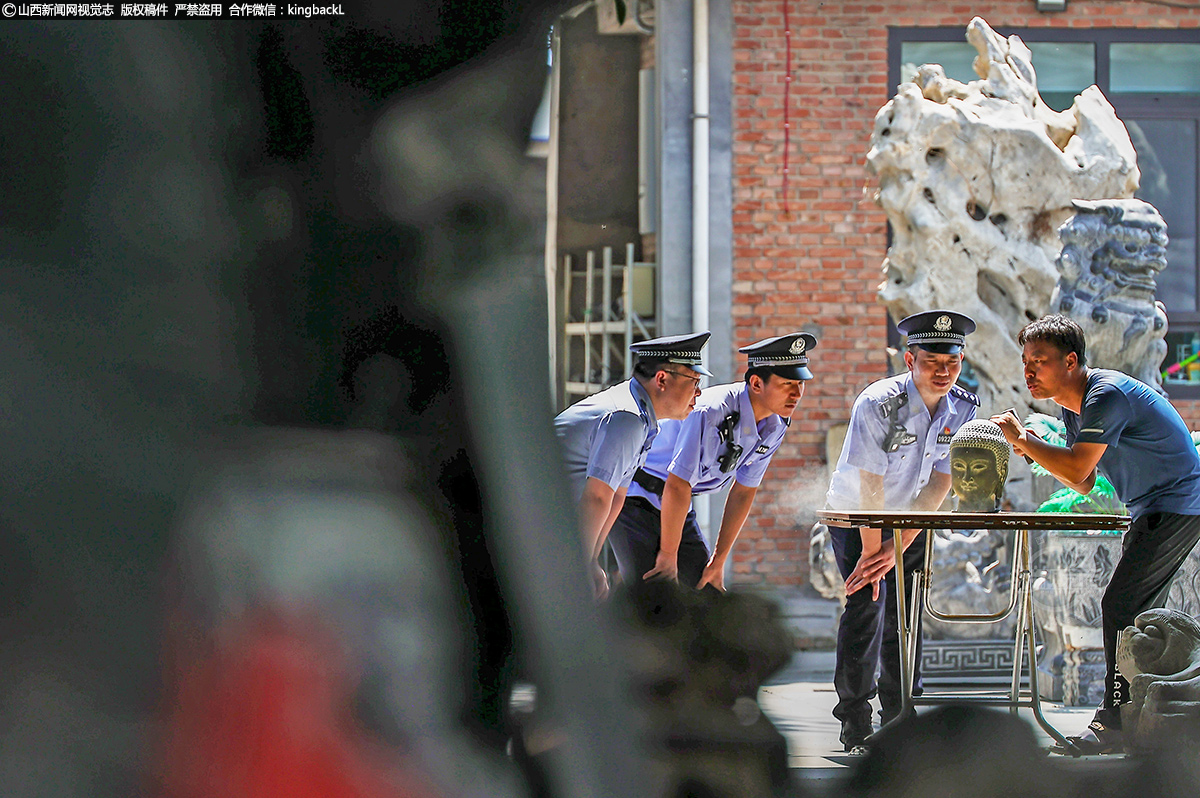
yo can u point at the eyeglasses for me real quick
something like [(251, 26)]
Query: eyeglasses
[(695, 380)]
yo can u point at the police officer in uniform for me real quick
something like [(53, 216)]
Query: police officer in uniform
[(731, 436), (895, 457), (605, 437)]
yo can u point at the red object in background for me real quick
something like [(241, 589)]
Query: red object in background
[(264, 712)]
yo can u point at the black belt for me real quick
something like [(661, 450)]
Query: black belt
[(652, 483), (649, 482)]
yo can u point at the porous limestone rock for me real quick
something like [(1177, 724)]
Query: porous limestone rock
[(976, 179)]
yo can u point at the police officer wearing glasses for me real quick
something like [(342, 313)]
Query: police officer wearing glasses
[(895, 457), (730, 437), (605, 437)]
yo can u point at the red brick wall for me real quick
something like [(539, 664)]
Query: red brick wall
[(818, 264)]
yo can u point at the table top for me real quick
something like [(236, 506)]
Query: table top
[(935, 519)]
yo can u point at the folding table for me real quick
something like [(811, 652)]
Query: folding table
[(1020, 593)]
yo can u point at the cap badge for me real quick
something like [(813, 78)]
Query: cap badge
[(797, 347), (942, 324)]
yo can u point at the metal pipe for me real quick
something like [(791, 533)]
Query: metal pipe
[(700, 165), (701, 504), (588, 291), (606, 317), (552, 316)]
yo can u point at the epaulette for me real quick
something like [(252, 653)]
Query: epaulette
[(959, 393)]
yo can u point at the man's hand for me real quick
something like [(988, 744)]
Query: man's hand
[(871, 568), (666, 566), (599, 580), (1014, 431), (713, 574)]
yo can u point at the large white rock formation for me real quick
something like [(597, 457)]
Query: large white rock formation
[(976, 179)]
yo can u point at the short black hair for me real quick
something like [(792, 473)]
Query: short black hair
[(646, 367), (1063, 332), (763, 372)]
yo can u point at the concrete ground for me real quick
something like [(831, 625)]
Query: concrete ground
[(799, 701)]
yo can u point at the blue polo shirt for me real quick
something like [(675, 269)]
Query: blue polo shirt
[(908, 469), (606, 435), (1150, 460), (691, 449)]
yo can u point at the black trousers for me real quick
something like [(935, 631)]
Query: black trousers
[(868, 638), (1153, 549), (634, 540)]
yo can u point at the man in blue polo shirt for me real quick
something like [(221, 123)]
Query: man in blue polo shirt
[(605, 437), (1124, 429), (731, 436)]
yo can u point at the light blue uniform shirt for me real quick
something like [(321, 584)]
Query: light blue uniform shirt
[(691, 449), (607, 435), (907, 470)]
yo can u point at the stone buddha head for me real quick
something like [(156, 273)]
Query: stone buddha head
[(978, 466)]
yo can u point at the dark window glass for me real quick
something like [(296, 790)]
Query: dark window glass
[(1063, 70), (955, 57), (1166, 151), (1154, 68)]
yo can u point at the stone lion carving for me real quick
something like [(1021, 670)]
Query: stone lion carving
[(1160, 656), (1112, 251)]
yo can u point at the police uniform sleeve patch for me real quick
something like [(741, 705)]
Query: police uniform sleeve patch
[(763, 449), (959, 393)]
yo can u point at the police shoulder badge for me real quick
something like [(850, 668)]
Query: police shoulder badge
[(942, 324)]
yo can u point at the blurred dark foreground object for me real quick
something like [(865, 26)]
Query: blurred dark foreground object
[(962, 751), (694, 663), (196, 218), (316, 646)]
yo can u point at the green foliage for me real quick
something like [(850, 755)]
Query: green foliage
[(1051, 430), (1103, 497)]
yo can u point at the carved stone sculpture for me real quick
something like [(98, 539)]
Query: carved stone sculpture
[(978, 466), (975, 179), (1160, 656), (971, 575), (1112, 250)]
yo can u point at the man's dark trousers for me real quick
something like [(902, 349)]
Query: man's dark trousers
[(867, 639), (1153, 550), (634, 540)]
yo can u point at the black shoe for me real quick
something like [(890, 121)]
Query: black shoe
[(854, 734), (1098, 739)]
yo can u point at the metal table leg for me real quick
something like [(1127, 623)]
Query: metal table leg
[(1027, 603), (906, 628)]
